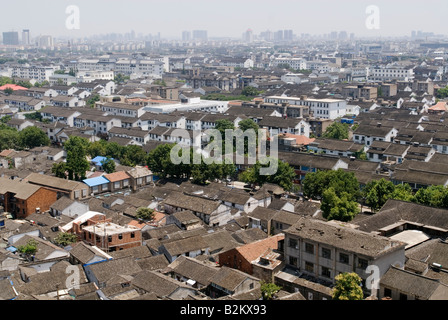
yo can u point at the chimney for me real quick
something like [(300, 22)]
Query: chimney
[(378, 124)]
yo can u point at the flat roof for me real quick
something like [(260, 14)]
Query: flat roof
[(109, 228), (95, 181)]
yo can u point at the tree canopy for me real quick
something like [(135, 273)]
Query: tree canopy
[(337, 130), (347, 287)]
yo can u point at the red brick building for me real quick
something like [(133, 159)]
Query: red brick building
[(108, 236), (22, 199)]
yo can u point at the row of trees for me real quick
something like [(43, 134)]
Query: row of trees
[(28, 138), (340, 194)]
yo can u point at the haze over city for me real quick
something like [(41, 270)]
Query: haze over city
[(223, 19)]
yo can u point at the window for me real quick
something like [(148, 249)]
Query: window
[(362, 263), (403, 296), (293, 243), (387, 292), (326, 272), (343, 258), (109, 238), (120, 236), (132, 234), (326, 253), (309, 248), (309, 267), (293, 261)]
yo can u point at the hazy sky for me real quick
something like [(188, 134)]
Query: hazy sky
[(223, 17)]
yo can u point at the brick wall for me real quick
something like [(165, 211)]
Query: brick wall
[(235, 260), (42, 199)]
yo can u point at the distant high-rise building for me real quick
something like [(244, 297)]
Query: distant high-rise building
[(334, 35), (11, 38), (26, 37), (288, 35), (186, 36), (278, 36), (46, 41), (248, 36), (200, 35), (343, 35)]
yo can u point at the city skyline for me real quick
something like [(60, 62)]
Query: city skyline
[(227, 20)]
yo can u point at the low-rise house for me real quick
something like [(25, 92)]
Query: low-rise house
[(73, 189), (97, 185), (164, 287), (399, 284), (387, 151), (366, 134), (304, 163), (118, 180), (46, 251), (60, 114), (261, 218), (51, 285), (336, 147), (278, 125), (197, 274), (85, 254), (24, 103), (190, 247), (212, 212), (68, 207), (229, 282), (185, 220), (104, 273), (66, 102), (241, 257), (137, 134), (140, 177), (239, 199), (122, 109), (19, 124)]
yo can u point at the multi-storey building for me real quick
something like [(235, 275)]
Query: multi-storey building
[(319, 108), (322, 250)]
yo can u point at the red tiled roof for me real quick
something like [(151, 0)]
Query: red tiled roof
[(255, 249), (13, 87), (117, 176)]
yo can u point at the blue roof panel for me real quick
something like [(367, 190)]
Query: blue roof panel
[(92, 182)]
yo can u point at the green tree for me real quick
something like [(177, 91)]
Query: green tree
[(434, 196), (377, 192), (268, 290), (250, 91), (315, 183), (77, 164), (132, 156), (249, 124), (337, 130), (145, 214), (65, 239), (9, 138), (347, 287), (97, 148), (159, 161), (92, 99), (283, 177), (8, 91), (108, 165), (32, 136), (338, 207), (59, 169), (29, 249)]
